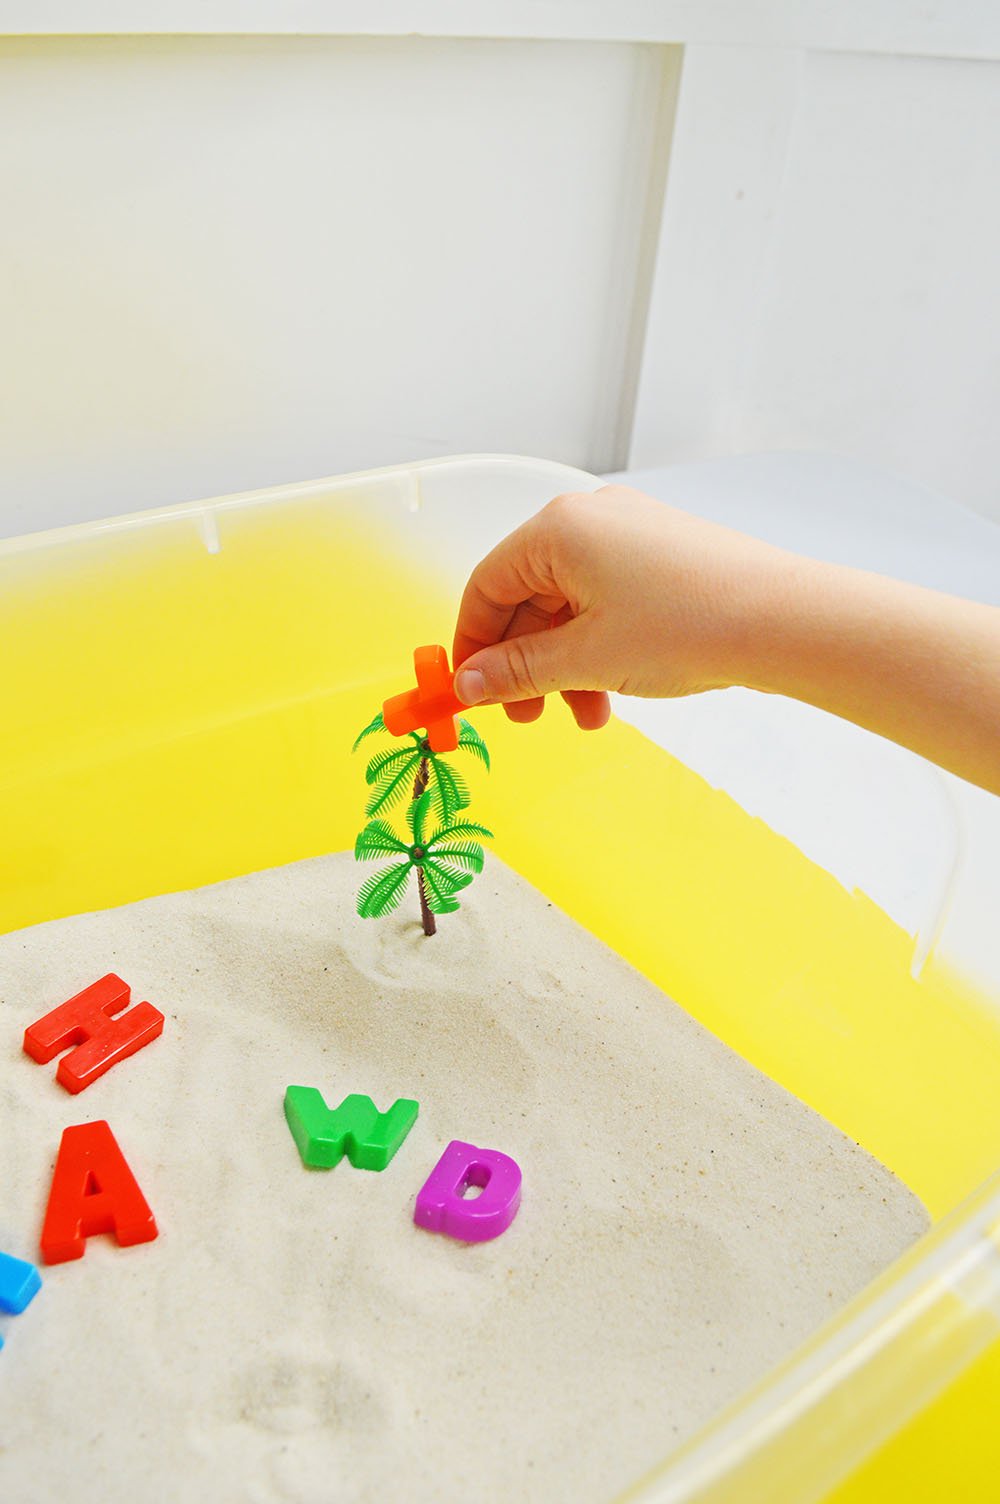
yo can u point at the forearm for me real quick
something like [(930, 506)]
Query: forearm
[(914, 665), (649, 600)]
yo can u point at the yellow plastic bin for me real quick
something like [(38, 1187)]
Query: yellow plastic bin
[(180, 689)]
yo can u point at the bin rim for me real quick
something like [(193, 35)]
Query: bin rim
[(564, 477), (925, 1319)]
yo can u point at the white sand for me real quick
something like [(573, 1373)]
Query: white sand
[(291, 1335)]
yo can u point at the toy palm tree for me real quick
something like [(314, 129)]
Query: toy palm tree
[(446, 858)]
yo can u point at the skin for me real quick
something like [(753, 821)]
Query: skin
[(613, 590)]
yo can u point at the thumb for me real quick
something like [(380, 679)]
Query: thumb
[(526, 667)]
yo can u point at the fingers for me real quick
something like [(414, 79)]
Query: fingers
[(523, 712), (517, 637), (525, 667), (515, 572), (591, 707), (530, 616)]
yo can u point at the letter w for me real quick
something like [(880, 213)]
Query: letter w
[(356, 1128)]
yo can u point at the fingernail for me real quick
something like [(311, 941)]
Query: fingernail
[(470, 686)]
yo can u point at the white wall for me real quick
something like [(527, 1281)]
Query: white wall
[(828, 266), (227, 262)]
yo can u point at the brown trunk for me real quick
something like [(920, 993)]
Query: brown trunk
[(429, 922)]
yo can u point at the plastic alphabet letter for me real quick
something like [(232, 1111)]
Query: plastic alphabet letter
[(20, 1282), (93, 1190), (356, 1128), (443, 1207), (101, 1040), (433, 704)]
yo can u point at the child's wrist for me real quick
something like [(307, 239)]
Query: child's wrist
[(763, 639)]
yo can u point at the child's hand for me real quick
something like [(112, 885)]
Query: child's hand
[(646, 600), (616, 591)]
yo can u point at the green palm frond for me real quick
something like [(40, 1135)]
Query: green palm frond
[(377, 839), (381, 893), (469, 738), (446, 858), (440, 886), (375, 724), (392, 757), (392, 784), (449, 878), (468, 854), (461, 829), (416, 815), (450, 792)]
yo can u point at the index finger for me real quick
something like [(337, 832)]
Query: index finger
[(513, 573)]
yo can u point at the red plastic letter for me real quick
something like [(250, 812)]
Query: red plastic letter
[(93, 1190), (102, 1040)]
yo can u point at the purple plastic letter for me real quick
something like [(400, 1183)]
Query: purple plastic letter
[(442, 1207)]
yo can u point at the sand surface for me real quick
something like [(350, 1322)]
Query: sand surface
[(291, 1335)]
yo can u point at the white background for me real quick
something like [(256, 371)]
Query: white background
[(235, 262), (609, 234)]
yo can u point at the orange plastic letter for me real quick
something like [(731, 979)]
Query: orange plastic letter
[(432, 705)]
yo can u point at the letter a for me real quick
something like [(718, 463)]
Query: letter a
[(356, 1128), (93, 1190)]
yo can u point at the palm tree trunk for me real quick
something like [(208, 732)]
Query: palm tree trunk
[(429, 922)]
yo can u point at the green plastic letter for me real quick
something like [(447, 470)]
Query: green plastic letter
[(356, 1128)]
